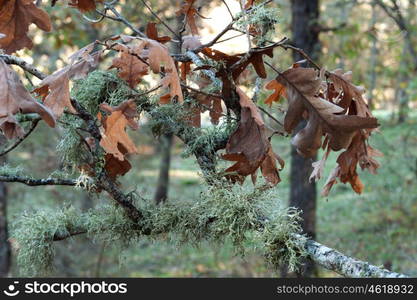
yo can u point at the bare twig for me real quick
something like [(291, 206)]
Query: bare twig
[(13, 60), (160, 20), (20, 140)]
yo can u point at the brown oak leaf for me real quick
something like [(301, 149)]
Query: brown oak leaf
[(250, 148), (54, 89), (323, 117), (279, 90), (152, 33), (15, 19), (190, 13), (84, 5), (131, 68), (114, 135), (14, 98)]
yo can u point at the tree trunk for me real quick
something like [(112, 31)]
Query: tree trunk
[(305, 32), (5, 251), (373, 59), (161, 192)]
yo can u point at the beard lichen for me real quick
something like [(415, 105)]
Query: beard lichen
[(248, 217)]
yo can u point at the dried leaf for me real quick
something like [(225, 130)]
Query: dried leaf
[(279, 90), (255, 58), (302, 90), (190, 13), (249, 146), (152, 33), (131, 68), (15, 19), (158, 55), (114, 135), (84, 5), (14, 98), (54, 89)]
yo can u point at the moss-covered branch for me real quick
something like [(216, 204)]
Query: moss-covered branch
[(344, 265), (37, 182)]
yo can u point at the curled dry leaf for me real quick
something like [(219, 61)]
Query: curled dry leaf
[(131, 68), (54, 89), (152, 33), (336, 110), (255, 58), (160, 62), (190, 13), (279, 90), (250, 148), (114, 135), (15, 18), (323, 117), (206, 102), (14, 98), (84, 5)]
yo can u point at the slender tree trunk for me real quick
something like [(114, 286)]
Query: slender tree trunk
[(373, 59), (401, 93), (161, 192), (305, 15), (5, 251)]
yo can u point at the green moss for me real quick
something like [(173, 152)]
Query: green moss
[(34, 236), (7, 170), (222, 212), (264, 20)]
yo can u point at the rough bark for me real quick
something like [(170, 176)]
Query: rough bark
[(305, 30), (344, 265)]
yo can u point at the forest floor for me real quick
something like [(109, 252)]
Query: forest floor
[(379, 226)]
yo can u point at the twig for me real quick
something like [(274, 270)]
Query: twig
[(160, 20), (269, 115), (20, 140), (13, 60), (228, 9), (123, 20)]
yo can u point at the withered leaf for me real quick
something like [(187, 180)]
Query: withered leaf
[(255, 58), (302, 91), (14, 98), (84, 5), (114, 135), (15, 19), (54, 89), (131, 68), (158, 55), (249, 146), (152, 33), (190, 13), (279, 90)]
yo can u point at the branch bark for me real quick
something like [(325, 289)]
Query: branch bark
[(37, 182), (344, 265)]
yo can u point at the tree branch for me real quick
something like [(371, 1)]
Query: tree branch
[(35, 123), (38, 182), (344, 265), (13, 60), (328, 258)]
